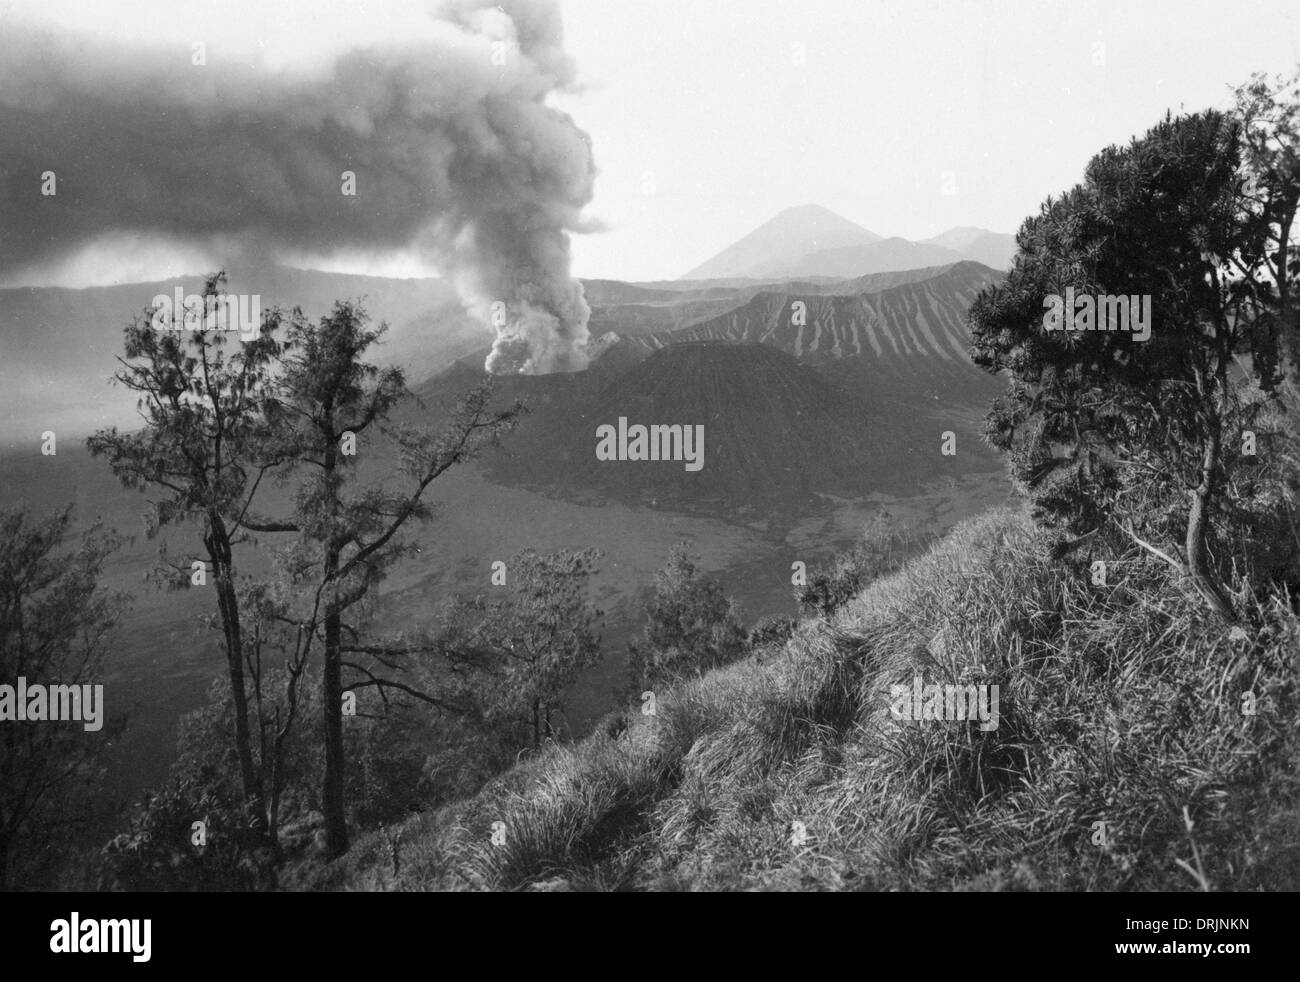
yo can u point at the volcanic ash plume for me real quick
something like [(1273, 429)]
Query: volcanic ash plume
[(447, 132)]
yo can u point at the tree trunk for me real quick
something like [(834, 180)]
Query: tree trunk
[(273, 807), (336, 830), (277, 753), (1199, 572), (219, 552), (1290, 327), (336, 827)]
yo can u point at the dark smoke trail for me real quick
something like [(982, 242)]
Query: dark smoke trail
[(453, 147)]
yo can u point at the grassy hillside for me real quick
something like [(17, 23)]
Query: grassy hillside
[(1119, 705)]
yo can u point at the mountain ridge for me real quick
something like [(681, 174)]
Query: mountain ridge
[(789, 246), (924, 316)]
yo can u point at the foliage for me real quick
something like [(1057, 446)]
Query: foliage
[(204, 449), (1098, 423), (54, 627), (692, 625), (527, 647), (1122, 705), (881, 549)]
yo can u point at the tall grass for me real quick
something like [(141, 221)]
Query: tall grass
[(1123, 759)]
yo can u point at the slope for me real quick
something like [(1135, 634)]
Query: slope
[(789, 770), (886, 256), (905, 342)]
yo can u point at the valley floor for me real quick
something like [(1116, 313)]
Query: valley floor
[(165, 657)]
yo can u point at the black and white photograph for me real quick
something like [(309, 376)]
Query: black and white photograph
[(604, 446)]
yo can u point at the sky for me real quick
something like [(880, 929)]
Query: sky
[(707, 117)]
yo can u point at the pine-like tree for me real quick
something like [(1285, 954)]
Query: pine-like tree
[(1106, 429)]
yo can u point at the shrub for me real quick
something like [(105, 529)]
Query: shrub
[(692, 625)]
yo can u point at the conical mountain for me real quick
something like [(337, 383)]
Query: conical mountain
[(775, 431), (776, 245)]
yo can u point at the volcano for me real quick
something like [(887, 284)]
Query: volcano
[(776, 433)]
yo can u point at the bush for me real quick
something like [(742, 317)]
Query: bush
[(387, 781), (692, 626), (881, 550), (157, 850), (772, 632)]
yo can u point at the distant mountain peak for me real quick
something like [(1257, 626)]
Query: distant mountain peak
[(788, 234), (812, 212), (994, 249), (958, 237), (811, 241)]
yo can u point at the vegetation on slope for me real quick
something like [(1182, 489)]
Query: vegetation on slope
[(1120, 704)]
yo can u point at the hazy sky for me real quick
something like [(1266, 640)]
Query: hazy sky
[(709, 116)]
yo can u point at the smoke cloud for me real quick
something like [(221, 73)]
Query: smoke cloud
[(452, 144)]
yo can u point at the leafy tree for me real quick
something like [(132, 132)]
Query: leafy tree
[(1102, 427), (692, 625), (529, 646), (1269, 110), (54, 623), (206, 446), (329, 400)]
